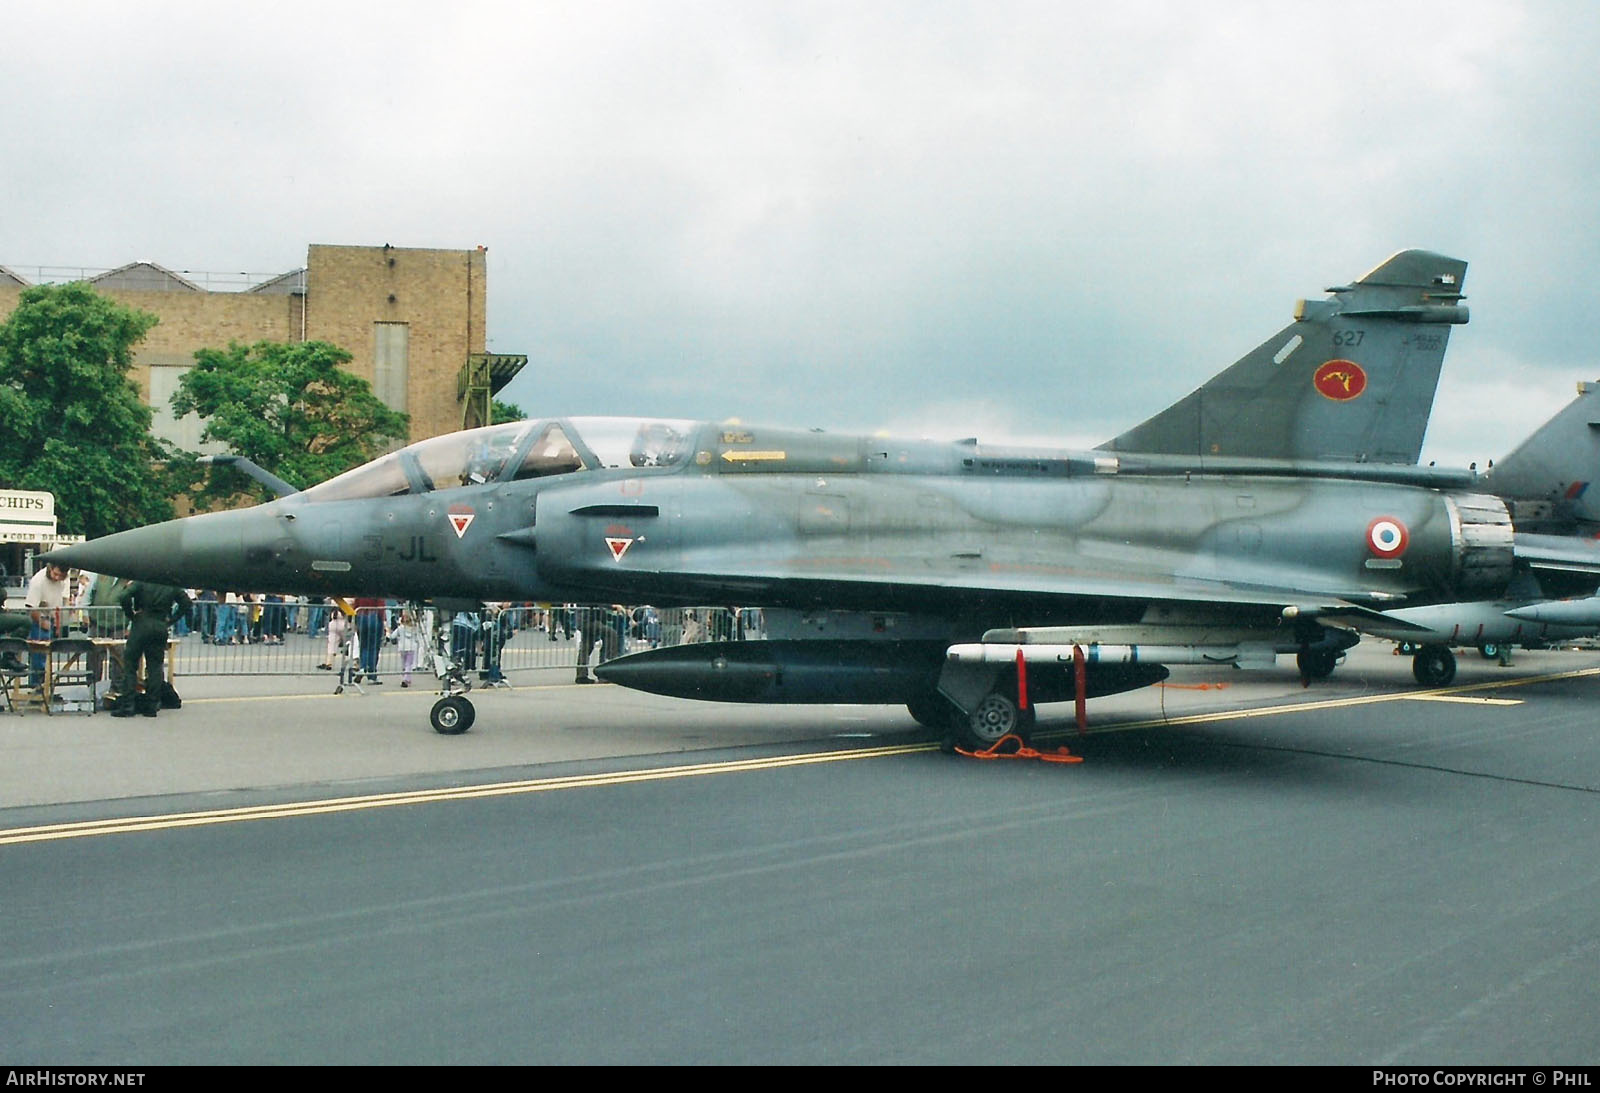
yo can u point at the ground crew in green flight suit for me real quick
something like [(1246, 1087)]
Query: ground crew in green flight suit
[(151, 608)]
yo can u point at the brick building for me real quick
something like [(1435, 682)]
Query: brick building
[(412, 319)]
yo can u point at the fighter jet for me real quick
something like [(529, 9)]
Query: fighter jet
[(1351, 379), (1524, 616), (1545, 483), (966, 581), (1547, 477)]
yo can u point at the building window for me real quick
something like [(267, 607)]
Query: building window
[(181, 432), (392, 369)]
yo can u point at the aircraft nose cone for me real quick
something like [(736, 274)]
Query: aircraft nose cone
[(197, 552), (149, 553)]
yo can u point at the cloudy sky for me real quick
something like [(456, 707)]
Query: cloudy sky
[(1039, 221)]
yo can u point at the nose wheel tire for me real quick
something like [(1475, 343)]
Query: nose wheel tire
[(452, 715)]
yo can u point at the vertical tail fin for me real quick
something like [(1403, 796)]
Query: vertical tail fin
[(1351, 379), (1552, 479)]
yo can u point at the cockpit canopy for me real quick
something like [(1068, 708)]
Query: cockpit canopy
[(514, 451)]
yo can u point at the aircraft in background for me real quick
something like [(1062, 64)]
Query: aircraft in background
[(1523, 616), (1270, 511), (1545, 484), (1547, 477)]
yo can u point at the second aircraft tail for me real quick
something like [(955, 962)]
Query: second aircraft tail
[(1552, 479)]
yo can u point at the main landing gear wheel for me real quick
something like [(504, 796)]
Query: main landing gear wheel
[(1434, 666), (997, 715), (931, 711), (452, 715), (1316, 663)]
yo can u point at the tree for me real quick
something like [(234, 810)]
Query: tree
[(291, 408), (502, 412), (75, 423)]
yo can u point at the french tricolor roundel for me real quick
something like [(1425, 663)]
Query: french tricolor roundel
[(1387, 537)]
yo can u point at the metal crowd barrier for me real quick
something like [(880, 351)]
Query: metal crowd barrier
[(292, 639)]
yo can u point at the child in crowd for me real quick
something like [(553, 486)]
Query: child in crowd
[(408, 639)]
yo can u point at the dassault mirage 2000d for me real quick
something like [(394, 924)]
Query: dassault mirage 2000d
[(964, 581)]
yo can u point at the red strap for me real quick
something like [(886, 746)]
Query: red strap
[(1080, 684)]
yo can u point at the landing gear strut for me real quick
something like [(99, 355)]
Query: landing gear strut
[(453, 714)]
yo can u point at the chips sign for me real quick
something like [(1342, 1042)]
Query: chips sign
[(27, 515)]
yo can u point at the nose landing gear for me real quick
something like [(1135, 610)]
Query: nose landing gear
[(453, 714)]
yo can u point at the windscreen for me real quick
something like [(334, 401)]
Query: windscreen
[(512, 452), (636, 442)]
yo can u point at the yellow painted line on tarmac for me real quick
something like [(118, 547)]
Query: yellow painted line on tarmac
[(1468, 699), (86, 828), (1440, 693)]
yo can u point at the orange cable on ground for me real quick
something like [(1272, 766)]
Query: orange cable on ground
[(1060, 755)]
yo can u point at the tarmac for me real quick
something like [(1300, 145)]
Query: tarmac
[(247, 734), (294, 736), (1242, 870)]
